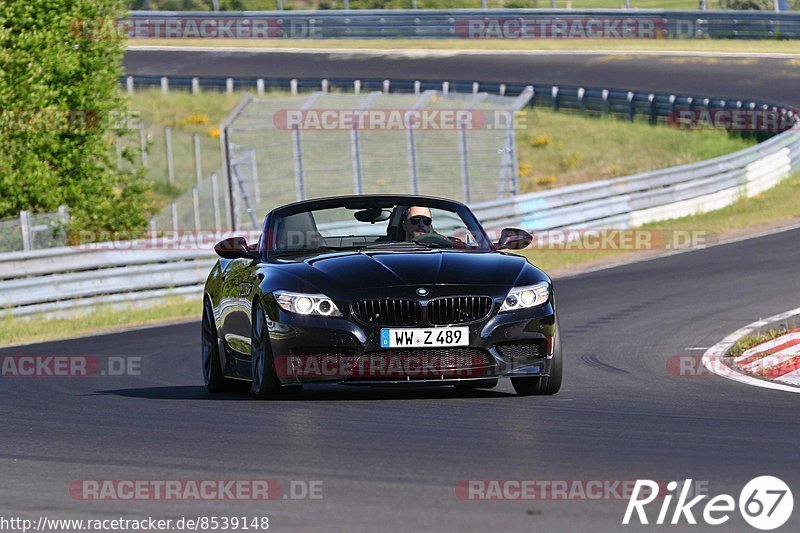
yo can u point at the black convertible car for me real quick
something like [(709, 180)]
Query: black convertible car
[(378, 289)]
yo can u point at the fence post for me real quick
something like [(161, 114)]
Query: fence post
[(260, 86), (386, 85), (25, 228), (554, 95), (170, 162), (198, 164), (174, 208), (215, 200), (254, 177), (196, 205), (355, 144), (581, 103), (63, 214), (475, 87), (356, 86), (607, 104), (463, 149), (293, 85), (195, 85), (129, 84), (118, 150), (143, 144), (412, 144), (297, 151), (229, 85), (653, 108), (231, 206), (324, 85), (417, 86), (164, 84), (631, 106)]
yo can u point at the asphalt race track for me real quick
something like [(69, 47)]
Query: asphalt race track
[(770, 79), (390, 459), (389, 456)]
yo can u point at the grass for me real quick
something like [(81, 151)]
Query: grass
[(749, 341), (562, 148), (690, 45), (102, 319), (774, 207)]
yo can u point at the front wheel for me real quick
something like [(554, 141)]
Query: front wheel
[(545, 385), (265, 380), (213, 377)]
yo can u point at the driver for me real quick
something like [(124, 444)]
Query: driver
[(416, 221)]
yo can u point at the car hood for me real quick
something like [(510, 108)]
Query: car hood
[(355, 271)]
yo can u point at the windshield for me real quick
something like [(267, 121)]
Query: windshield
[(379, 225)]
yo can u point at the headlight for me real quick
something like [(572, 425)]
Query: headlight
[(307, 304), (526, 297)]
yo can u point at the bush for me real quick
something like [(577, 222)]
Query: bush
[(747, 4), (59, 92)]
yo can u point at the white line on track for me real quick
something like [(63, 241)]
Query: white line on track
[(422, 52), (712, 358)]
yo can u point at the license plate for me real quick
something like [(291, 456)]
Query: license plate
[(424, 337)]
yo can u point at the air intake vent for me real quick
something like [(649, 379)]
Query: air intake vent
[(388, 312), (523, 350), (458, 309)]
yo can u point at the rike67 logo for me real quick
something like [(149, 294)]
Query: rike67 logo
[(765, 502)]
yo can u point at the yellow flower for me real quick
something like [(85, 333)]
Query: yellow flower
[(541, 140), (213, 132)]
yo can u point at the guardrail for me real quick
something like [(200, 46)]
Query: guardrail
[(59, 281), (465, 23)]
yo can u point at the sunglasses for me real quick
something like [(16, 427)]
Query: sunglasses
[(421, 219)]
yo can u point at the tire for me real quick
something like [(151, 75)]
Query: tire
[(543, 386), (265, 384), (488, 383), (213, 377)]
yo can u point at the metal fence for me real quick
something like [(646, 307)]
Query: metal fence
[(436, 143), (34, 231), (468, 24), (268, 166)]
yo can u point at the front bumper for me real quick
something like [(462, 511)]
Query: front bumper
[(329, 350)]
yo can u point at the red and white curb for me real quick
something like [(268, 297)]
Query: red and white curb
[(771, 365)]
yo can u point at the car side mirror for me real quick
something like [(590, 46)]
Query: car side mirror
[(234, 248), (514, 239)]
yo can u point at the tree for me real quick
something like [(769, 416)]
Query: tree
[(59, 96)]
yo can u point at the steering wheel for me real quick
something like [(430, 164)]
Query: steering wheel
[(434, 239)]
